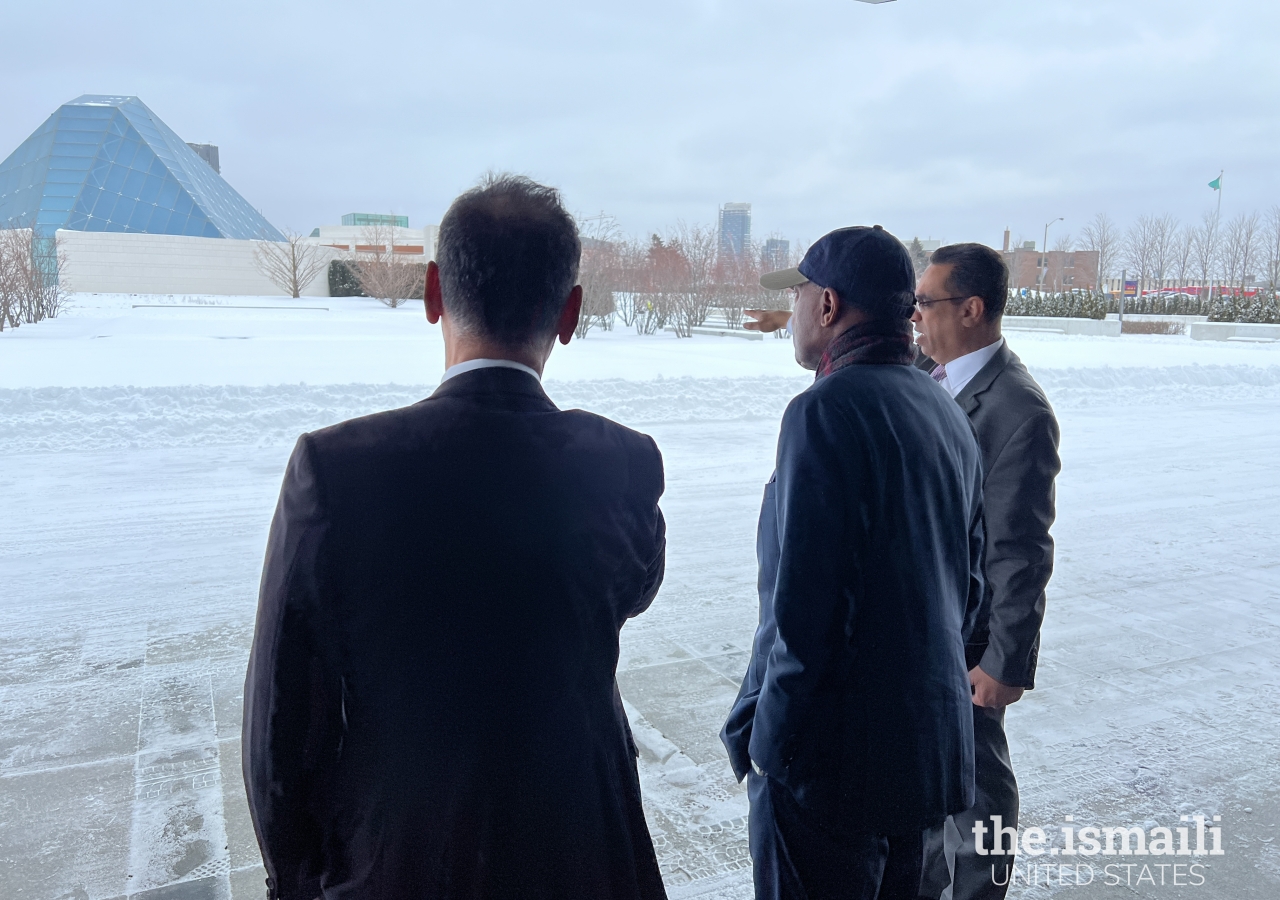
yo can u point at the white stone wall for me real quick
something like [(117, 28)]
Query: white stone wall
[(106, 262)]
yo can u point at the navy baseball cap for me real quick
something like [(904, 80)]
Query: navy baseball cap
[(865, 265)]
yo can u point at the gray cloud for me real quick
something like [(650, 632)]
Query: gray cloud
[(950, 118)]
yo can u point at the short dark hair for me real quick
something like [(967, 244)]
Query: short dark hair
[(508, 253), (976, 271)]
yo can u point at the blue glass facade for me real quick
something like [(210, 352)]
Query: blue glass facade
[(109, 164)]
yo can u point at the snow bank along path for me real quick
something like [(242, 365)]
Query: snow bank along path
[(88, 418)]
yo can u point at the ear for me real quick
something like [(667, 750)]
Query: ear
[(973, 312), (830, 308), (569, 318), (434, 300)]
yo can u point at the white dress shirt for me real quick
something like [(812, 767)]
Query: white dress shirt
[(472, 364), (960, 371)]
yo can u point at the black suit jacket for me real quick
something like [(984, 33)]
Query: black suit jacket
[(430, 708), (857, 696)]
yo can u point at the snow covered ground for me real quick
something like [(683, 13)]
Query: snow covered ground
[(143, 448)]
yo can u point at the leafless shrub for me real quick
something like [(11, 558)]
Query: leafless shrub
[(689, 282), (381, 273), (291, 264), (630, 294), (1131, 326), (738, 284), (600, 272), (31, 277)]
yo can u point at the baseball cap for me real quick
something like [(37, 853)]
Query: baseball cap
[(865, 265)]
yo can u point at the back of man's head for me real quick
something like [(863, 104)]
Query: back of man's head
[(976, 271), (508, 254)]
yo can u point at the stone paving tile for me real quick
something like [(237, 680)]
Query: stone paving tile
[(64, 831)]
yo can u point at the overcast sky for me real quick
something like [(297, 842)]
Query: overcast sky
[(943, 118)]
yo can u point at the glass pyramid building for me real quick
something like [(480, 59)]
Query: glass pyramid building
[(109, 164)]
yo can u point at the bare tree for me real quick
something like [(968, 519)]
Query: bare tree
[(1240, 249), (1183, 254), (1103, 237), (599, 273), (667, 283), (1065, 243), (1205, 247), (630, 295), (291, 264), (1271, 247), (381, 273), (738, 283), (697, 245), (1139, 248), (1164, 237), (32, 286)]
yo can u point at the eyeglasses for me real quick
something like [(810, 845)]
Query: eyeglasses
[(925, 304)]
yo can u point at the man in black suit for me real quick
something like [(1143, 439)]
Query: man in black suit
[(430, 708), (853, 724), (959, 304)]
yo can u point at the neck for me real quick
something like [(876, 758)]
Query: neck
[(975, 343), (460, 348)]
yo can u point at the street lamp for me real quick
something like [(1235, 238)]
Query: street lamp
[(1044, 251)]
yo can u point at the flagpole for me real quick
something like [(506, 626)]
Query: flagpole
[(1217, 217)]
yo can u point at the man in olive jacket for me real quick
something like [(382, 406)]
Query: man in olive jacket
[(430, 708), (959, 303)]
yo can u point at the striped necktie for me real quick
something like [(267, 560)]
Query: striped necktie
[(939, 374)]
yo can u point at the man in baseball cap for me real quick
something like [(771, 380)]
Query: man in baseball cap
[(853, 725)]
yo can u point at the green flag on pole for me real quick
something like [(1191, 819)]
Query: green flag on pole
[(1216, 184)]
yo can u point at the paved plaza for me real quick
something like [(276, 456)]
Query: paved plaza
[(128, 600)]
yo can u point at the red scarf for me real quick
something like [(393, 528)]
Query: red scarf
[(879, 342)]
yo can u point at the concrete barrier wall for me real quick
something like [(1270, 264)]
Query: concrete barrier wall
[(115, 263), (1234, 331), (1184, 321), (1095, 327)]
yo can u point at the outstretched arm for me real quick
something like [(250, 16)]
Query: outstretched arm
[(767, 320)]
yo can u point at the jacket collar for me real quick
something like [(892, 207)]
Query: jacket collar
[(494, 383), (980, 383)]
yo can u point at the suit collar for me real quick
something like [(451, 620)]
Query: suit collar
[(980, 383), (494, 382)]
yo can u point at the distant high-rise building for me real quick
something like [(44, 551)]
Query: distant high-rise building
[(209, 153), (776, 254), (735, 228), (374, 219)]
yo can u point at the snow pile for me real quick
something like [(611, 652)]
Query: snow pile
[(93, 418)]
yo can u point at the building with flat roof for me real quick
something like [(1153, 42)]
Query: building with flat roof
[(1061, 270), (411, 244), (775, 255), (734, 228), (374, 219), (209, 153)]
